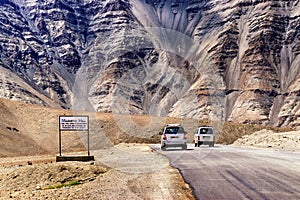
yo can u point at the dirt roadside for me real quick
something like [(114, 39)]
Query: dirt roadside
[(140, 174), (29, 144), (121, 171), (268, 139)]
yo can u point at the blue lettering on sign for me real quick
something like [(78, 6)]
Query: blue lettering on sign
[(74, 123), (68, 120)]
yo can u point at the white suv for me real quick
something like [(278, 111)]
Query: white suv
[(204, 135), (173, 135)]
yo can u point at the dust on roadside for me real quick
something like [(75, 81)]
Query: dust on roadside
[(95, 180)]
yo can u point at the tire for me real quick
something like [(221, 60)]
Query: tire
[(196, 144), (163, 147)]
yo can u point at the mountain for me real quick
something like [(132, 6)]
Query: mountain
[(229, 60)]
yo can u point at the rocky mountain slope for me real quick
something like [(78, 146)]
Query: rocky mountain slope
[(233, 60)]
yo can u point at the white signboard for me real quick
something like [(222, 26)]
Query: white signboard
[(73, 123)]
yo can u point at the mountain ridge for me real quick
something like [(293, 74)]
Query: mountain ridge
[(221, 60)]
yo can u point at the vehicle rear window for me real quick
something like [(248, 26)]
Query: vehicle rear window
[(174, 130), (206, 131)]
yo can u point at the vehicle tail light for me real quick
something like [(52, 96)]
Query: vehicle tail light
[(185, 137), (164, 137)]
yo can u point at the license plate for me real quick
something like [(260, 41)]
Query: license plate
[(206, 138), (174, 137)]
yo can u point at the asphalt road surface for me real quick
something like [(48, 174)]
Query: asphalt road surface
[(233, 173)]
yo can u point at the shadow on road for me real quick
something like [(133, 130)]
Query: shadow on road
[(207, 147), (178, 150)]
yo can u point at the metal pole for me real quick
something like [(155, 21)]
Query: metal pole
[(59, 136), (88, 136), (59, 142), (88, 143)]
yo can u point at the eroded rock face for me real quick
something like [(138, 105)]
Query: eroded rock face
[(214, 59)]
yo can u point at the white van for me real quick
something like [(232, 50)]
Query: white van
[(204, 135), (173, 135)]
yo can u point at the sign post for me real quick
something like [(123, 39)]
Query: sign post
[(74, 123)]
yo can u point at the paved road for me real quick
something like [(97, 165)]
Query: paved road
[(233, 173)]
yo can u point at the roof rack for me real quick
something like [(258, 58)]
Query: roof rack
[(173, 124)]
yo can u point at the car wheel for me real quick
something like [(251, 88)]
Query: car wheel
[(196, 145)]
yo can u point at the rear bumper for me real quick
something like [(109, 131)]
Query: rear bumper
[(201, 140), (206, 142), (172, 144)]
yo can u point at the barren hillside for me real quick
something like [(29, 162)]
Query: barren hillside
[(233, 60), (27, 129)]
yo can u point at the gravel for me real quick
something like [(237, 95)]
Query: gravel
[(131, 178), (285, 141)]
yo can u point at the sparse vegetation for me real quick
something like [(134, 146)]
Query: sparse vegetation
[(94, 180), (61, 185)]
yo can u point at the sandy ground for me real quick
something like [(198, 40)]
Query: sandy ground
[(285, 141), (123, 169), (29, 144), (123, 176)]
